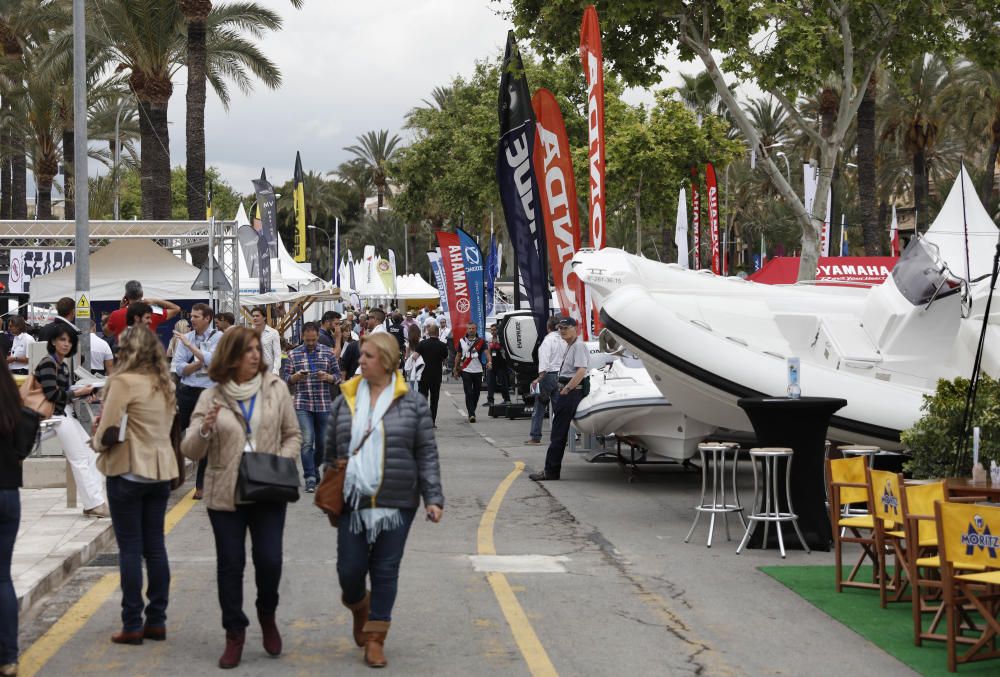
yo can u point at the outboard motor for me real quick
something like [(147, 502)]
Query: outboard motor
[(519, 341)]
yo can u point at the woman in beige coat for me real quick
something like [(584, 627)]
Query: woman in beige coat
[(249, 409), (136, 456)]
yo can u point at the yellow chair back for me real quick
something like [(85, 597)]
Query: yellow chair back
[(920, 500), (849, 471), (970, 535), (885, 495)]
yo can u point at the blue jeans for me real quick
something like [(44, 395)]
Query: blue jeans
[(137, 513), (266, 522), (356, 560), (313, 427), (549, 389), (10, 520)]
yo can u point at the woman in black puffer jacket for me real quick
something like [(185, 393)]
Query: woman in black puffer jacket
[(384, 433)]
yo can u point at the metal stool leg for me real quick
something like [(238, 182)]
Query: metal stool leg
[(722, 484), (777, 507), (791, 508), (701, 503), (767, 497), (756, 508), (715, 497)]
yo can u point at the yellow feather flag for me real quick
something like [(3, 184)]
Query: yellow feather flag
[(299, 199)]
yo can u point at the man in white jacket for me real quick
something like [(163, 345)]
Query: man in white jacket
[(270, 340)]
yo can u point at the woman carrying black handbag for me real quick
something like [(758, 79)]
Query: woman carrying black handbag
[(20, 426), (248, 411)]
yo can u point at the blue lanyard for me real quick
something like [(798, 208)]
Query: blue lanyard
[(247, 415), (310, 356)]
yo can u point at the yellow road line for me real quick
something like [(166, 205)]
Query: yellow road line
[(63, 630), (524, 635)]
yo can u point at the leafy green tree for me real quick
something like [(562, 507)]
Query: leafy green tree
[(806, 46)]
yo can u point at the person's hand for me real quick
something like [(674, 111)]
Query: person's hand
[(564, 390), (182, 338), (434, 513), (208, 423), (83, 391), (322, 375), (93, 426)]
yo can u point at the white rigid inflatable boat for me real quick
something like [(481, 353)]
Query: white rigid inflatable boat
[(623, 401), (707, 341)]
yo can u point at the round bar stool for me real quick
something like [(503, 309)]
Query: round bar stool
[(716, 454), (766, 508)]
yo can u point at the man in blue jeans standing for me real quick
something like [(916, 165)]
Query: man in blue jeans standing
[(550, 355), (311, 368)]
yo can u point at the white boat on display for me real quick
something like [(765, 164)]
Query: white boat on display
[(707, 341), (624, 402)]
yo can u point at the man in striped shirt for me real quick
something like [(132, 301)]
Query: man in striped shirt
[(312, 368)]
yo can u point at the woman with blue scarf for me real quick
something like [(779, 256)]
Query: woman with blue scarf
[(383, 431)]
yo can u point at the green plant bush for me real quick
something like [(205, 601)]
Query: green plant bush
[(932, 441)]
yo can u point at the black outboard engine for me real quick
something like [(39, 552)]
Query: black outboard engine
[(519, 340)]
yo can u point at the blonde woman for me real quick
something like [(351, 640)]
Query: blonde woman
[(180, 327), (136, 456), (249, 409), (382, 431)]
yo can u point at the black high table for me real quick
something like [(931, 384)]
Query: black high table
[(799, 424)]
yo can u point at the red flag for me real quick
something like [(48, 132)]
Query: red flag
[(696, 218), (593, 69), (557, 189), (457, 287), (713, 216)]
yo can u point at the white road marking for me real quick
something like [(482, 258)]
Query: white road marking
[(519, 564)]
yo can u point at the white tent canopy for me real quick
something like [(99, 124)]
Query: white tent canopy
[(162, 275), (964, 219), (414, 287)]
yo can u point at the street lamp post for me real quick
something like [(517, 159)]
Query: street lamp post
[(329, 244), (788, 170)]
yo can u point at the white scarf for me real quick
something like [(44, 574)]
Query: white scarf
[(241, 392), (364, 469)]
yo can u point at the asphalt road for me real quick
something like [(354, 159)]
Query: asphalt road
[(596, 580)]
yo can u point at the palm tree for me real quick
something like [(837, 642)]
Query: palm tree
[(358, 175), (375, 150), (978, 89), (916, 114), (867, 169), (770, 119), (205, 25)]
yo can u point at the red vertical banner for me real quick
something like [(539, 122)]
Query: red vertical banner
[(557, 190), (695, 219), (456, 284), (712, 188), (593, 69)]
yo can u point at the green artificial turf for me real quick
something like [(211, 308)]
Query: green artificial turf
[(890, 629)]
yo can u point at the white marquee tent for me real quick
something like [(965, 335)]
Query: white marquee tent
[(162, 274)]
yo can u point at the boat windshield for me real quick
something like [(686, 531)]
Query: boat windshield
[(921, 275)]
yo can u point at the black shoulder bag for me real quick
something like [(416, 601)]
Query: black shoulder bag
[(265, 478), (26, 432)]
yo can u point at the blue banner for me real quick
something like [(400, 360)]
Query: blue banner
[(474, 275), (492, 272), (438, 270), (519, 188)]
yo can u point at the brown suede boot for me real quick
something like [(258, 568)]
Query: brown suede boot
[(234, 649), (360, 612), (272, 638), (375, 632)]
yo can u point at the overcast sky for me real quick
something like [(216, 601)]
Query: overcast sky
[(348, 67)]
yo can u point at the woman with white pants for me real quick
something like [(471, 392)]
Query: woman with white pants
[(52, 374)]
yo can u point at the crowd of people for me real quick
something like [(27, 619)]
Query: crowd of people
[(358, 393), (338, 400)]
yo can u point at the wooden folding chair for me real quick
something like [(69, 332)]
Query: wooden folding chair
[(969, 536), (848, 486), (884, 497)]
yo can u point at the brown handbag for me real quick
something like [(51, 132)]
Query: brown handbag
[(33, 397), (329, 496)]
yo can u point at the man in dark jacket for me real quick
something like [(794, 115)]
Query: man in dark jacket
[(435, 354)]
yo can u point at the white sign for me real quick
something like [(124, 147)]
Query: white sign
[(28, 263)]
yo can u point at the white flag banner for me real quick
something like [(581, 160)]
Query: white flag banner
[(810, 177), (681, 230)]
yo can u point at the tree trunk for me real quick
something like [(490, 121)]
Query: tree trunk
[(18, 178), (43, 207), (195, 121), (5, 172), (989, 177), (920, 188), (866, 171), (155, 160), (69, 202)]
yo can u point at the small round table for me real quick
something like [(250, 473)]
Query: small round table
[(800, 424)]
